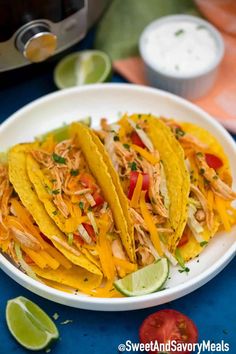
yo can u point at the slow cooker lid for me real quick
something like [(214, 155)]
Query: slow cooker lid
[(15, 14)]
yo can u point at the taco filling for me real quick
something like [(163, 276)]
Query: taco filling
[(142, 175), (24, 243), (211, 194), (74, 200)]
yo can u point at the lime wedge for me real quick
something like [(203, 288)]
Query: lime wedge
[(30, 325), (81, 68), (146, 280)]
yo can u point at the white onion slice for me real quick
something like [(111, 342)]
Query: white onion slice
[(90, 199), (169, 255), (83, 233), (23, 264), (93, 221), (143, 136)]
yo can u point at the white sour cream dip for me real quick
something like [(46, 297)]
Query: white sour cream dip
[(180, 48)]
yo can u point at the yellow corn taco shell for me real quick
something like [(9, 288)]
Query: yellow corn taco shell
[(178, 180), (193, 248), (25, 189), (39, 180), (100, 170), (117, 184), (214, 147), (75, 277)]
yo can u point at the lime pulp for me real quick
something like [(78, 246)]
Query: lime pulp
[(81, 68), (146, 280), (29, 324)]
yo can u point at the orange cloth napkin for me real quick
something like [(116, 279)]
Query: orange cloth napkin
[(220, 102)]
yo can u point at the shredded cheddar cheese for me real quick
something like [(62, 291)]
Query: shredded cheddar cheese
[(105, 255), (126, 265), (150, 224), (220, 206), (37, 258), (134, 203), (149, 157)]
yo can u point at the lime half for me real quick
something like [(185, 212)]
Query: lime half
[(146, 280), (81, 68), (30, 325)]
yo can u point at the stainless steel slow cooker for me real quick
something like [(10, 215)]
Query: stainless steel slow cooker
[(33, 30)]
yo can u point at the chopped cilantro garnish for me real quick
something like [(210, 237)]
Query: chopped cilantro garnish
[(55, 212), (55, 316), (215, 177), (53, 180), (55, 191), (203, 243), (202, 171), (179, 132), (74, 172), (199, 154), (90, 208), (48, 189), (116, 138), (179, 32), (58, 158), (138, 126), (133, 166), (126, 146), (81, 205), (186, 269), (70, 238)]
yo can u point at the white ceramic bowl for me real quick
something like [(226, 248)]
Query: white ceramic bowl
[(188, 86), (107, 100)]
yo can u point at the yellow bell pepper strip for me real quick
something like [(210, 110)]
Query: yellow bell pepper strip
[(126, 128), (126, 265), (36, 257), (147, 155), (134, 203), (58, 256), (52, 263), (150, 224)]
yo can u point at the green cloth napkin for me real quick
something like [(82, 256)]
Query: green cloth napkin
[(120, 28)]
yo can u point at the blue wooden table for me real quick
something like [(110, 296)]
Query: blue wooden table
[(212, 307)]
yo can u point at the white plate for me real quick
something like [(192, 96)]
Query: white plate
[(107, 100)]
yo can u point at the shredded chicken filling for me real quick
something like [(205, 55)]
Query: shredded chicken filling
[(127, 160), (205, 179)]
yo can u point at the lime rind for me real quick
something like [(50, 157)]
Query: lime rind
[(146, 280), (27, 322), (85, 67)]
